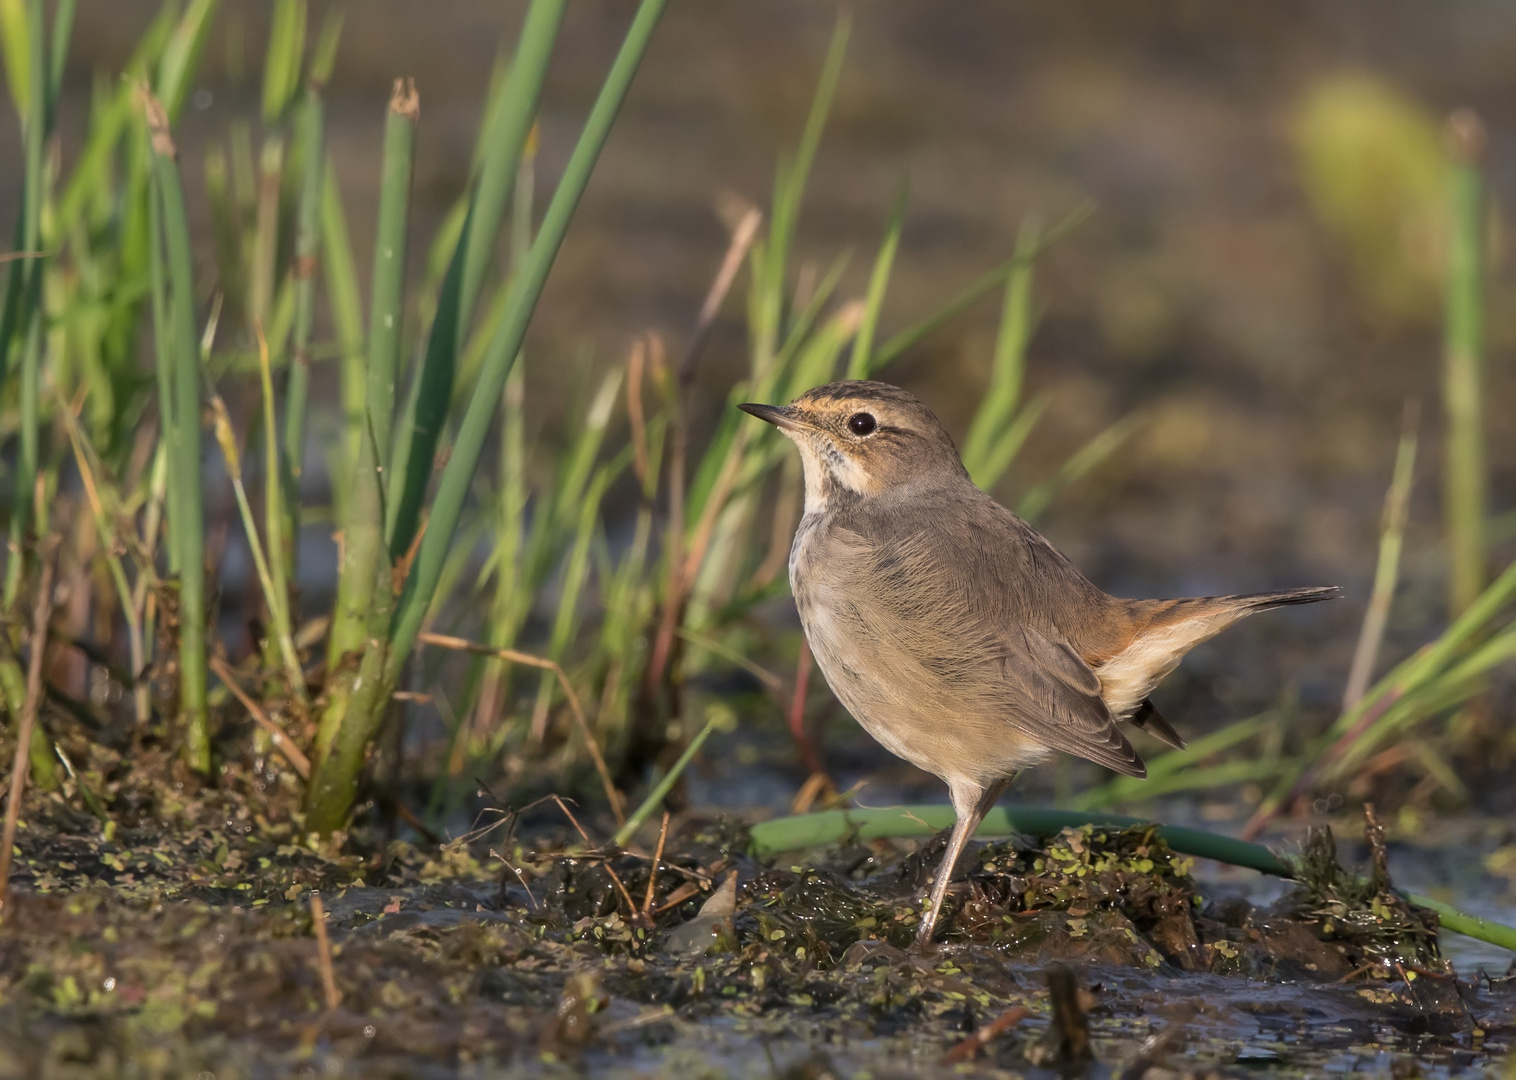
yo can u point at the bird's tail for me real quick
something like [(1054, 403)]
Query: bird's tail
[(1209, 615), (1263, 601)]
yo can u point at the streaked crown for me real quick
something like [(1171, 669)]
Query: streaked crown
[(864, 437)]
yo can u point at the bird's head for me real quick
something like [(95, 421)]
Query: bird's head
[(863, 439)]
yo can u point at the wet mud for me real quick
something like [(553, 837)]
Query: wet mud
[(520, 949)]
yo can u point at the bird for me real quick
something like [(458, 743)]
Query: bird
[(952, 631)]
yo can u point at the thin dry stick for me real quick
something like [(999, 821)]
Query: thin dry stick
[(446, 641), (742, 239), (282, 742), (324, 954), (531, 900), (652, 875), (578, 828), (40, 617), (631, 907), (140, 699), (970, 1047), (636, 363), (678, 575), (677, 897)]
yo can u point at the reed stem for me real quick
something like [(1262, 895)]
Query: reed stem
[(181, 412), (1465, 476)]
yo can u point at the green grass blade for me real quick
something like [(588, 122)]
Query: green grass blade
[(34, 135), (428, 402), (512, 114), (324, 53), (387, 289), (860, 364), (660, 791), (1012, 439), (1007, 369), (15, 41), (459, 472), (307, 264), (346, 306), (1465, 477), (63, 31), (275, 594), (181, 56), (1381, 708), (424, 416), (1081, 462), (363, 529), (1397, 506), (187, 519), (1171, 764), (282, 63), (576, 570), (789, 191), (334, 783), (976, 290)]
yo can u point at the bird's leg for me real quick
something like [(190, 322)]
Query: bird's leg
[(971, 806)]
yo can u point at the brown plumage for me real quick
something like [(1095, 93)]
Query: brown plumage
[(951, 630)]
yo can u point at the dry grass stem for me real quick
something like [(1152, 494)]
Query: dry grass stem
[(969, 1048), (324, 954), (742, 239), (652, 874), (677, 897), (41, 614), (282, 742), (446, 641)]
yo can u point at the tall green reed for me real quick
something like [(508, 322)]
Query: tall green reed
[(1465, 478), (179, 406), (335, 779)]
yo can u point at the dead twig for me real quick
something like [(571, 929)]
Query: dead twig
[(631, 906), (532, 900), (970, 1047), (446, 641), (324, 954), (677, 897), (40, 618), (282, 742), (742, 239), (1158, 1047), (679, 574), (652, 874), (578, 828)]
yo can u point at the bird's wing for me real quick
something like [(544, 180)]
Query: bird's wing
[(1066, 710), (961, 604)]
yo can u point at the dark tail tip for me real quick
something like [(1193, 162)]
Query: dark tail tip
[(1264, 601)]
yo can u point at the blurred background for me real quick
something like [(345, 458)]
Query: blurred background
[(1260, 285)]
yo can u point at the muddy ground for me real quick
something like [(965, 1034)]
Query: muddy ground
[(181, 941)]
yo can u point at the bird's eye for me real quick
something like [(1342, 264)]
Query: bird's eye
[(861, 424)]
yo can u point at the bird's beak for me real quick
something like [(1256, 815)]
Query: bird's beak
[(784, 417)]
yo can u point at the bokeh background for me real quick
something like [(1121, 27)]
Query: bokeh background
[(1224, 290)]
